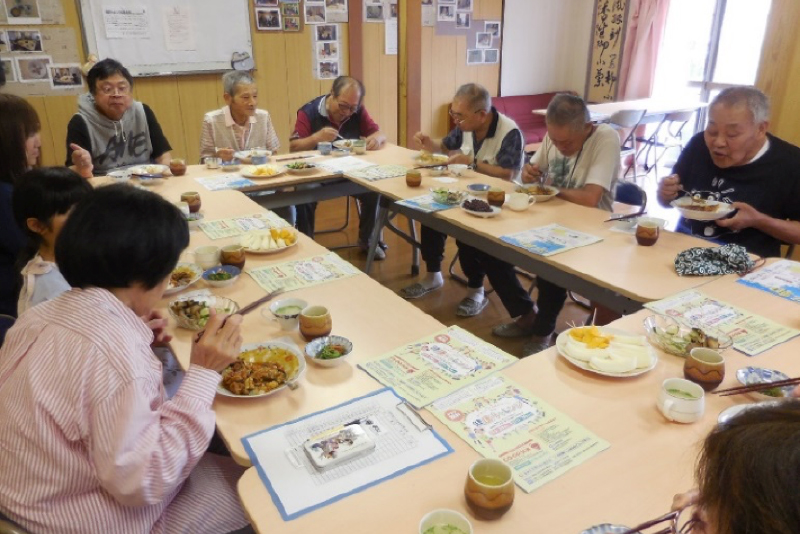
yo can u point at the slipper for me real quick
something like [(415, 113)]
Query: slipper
[(538, 344), (511, 330), (415, 291), (470, 308)]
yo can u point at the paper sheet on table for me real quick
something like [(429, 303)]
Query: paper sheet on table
[(550, 239), (344, 164), (307, 272), (235, 226), (225, 181), (782, 278), (378, 172), (437, 365), (500, 419), (425, 203), (402, 439), (751, 333)]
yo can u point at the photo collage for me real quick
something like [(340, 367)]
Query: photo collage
[(291, 15)]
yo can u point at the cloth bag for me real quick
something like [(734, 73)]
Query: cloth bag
[(712, 261)]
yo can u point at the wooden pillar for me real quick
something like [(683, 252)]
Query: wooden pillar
[(409, 70)]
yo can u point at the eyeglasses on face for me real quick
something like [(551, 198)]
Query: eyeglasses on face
[(458, 118), (110, 89), (344, 107)]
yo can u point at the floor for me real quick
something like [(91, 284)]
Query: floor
[(395, 271)]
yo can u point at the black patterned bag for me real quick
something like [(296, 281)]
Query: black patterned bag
[(713, 261)]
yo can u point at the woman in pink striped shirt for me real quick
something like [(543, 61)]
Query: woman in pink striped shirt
[(90, 442)]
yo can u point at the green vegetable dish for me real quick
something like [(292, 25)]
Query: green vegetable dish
[(444, 529), (331, 352), (220, 276)]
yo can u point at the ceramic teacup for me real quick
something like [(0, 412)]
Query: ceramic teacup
[(413, 178), (259, 156), (315, 321), (489, 488), (193, 199), (177, 167), (359, 146), (520, 201), (705, 367), (496, 197), (681, 401), (206, 257), (212, 162), (233, 255), (325, 148), (287, 312), (444, 520), (647, 231)]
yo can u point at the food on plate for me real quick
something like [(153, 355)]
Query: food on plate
[(606, 352), (253, 378), (447, 196), (478, 205), (181, 276), (300, 166), (427, 158), (272, 239), (681, 394), (677, 339), (773, 392), (331, 351), (699, 204), (148, 169), (288, 310), (534, 189), (195, 311), (220, 276), (261, 170), (443, 528)]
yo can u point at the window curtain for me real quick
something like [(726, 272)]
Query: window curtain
[(646, 24)]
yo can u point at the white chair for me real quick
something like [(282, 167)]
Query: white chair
[(625, 119)]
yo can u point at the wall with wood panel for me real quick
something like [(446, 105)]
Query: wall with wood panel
[(380, 79)]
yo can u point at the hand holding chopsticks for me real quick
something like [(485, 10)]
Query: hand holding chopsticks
[(760, 387), (247, 309)]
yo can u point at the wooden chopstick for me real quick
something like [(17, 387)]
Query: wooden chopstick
[(626, 217), (297, 157), (757, 387), (247, 309), (431, 166)]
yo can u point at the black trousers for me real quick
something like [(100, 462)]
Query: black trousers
[(477, 265), (432, 248)]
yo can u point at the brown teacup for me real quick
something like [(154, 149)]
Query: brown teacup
[(232, 255), (315, 321), (647, 232), (193, 199), (413, 178), (705, 367), (496, 197), (177, 167), (489, 489)]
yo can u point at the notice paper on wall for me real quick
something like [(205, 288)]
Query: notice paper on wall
[(179, 28), (126, 22), (390, 37)]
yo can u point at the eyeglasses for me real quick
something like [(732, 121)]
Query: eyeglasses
[(673, 526), (121, 89), (458, 118), (344, 107)]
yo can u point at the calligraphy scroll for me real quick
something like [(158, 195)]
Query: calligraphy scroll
[(605, 57)]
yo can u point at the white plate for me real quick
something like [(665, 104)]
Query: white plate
[(198, 272), (539, 198), (120, 176), (484, 214), (346, 144), (441, 160), (561, 343), (266, 250), (247, 172), (153, 170), (723, 210), (301, 368), (606, 528)]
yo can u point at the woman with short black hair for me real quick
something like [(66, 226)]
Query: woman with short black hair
[(108, 451)]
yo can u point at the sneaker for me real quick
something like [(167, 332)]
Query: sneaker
[(380, 255), (415, 291), (510, 330), (470, 308), (538, 344)]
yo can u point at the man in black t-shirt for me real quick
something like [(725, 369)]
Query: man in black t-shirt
[(736, 161)]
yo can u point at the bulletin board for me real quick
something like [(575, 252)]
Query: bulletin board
[(164, 37), (610, 18)]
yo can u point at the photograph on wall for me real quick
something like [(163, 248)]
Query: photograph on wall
[(447, 1), (8, 69), (328, 70), (23, 12), (373, 2), (65, 76), (33, 69), (491, 55), (315, 14), (266, 3), (446, 13), (291, 24), (464, 5), (373, 13), (483, 40), (327, 32), (393, 10), (290, 10), (493, 27), (427, 2), (25, 41), (474, 57), (268, 19), (336, 5), (327, 51), (463, 20), (3, 41)]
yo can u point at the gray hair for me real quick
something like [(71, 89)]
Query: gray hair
[(756, 101), (476, 96), (230, 80), (568, 110)]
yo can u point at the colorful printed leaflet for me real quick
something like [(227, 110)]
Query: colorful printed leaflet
[(234, 226), (437, 365), (501, 419), (307, 272), (426, 204), (378, 172), (226, 181), (550, 239), (751, 334), (782, 278)]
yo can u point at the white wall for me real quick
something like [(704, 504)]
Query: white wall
[(545, 46)]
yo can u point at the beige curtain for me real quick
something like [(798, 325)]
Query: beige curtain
[(646, 22)]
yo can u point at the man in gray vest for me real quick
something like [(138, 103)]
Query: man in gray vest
[(488, 142)]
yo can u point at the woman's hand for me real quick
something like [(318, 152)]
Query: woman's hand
[(220, 344), (157, 323)]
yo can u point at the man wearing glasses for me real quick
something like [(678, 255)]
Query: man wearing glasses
[(490, 143), (116, 129), (338, 115)]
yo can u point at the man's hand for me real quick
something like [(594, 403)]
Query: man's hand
[(326, 134), (424, 142), (668, 189), (531, 173), (375, 141), (226, 154), (219, 345), (459, 157), (157, 323), (81, 160), (746, 217)]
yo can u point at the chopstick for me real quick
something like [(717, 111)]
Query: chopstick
[(297, 157), (247, 309), (431, 166), (626, 217), (757, 387)]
